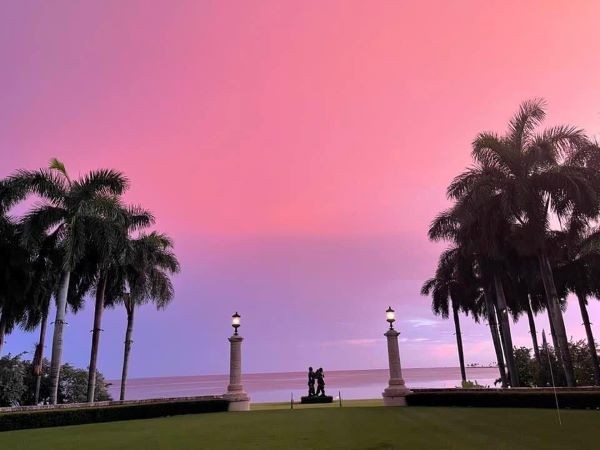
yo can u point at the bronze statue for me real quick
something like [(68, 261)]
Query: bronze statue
[(320, 376), (311, 382), (319, 396)]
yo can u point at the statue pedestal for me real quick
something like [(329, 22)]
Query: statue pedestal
[(316, 399)]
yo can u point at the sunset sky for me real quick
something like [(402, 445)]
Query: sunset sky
[(295, 151)]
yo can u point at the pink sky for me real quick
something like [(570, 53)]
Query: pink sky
[(296, 151)]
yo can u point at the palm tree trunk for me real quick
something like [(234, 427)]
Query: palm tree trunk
[(503, 344), (57, 338), (556, 318), (459, 344), (128, 343), (2, 332), (590, 336), (552, 332), (533, 332), (495, 336), (98, 310), (39, 357), (505, 330)]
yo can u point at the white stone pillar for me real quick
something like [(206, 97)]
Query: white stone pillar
[(239, 400), (395, 393)]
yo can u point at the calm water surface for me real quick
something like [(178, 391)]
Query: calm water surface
[(278, 387)]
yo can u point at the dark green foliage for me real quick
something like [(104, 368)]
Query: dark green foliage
[(531, 374), (12, 385), (73, 386), (528, 372), (78, 416), (17, 383)]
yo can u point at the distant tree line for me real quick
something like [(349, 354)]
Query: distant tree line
[(77, 239), (523, 239)]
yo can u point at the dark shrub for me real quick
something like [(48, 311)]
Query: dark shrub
[(82, 415), (513, 398)]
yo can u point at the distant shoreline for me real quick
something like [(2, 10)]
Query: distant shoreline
[(298, 372), (280, 386)]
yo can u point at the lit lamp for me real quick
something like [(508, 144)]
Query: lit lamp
[(390, 316), (235, 322), (238, 399), (395, 393)]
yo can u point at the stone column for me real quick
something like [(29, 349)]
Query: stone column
[(239, 400), (395, 393)]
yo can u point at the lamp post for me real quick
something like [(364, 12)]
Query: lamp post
[(395, 393), (238, 399)]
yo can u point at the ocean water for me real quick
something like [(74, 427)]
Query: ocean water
[(279, 387)]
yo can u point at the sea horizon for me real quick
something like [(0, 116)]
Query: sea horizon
[(281, 386)]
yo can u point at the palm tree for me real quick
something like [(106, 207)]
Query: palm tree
[(104, 257), (529, 296), (72, 208), (476, 226), (14, 263), (46, 262), (452, 287), (535, 175), (142, 275), (577, 270), (14, 278)]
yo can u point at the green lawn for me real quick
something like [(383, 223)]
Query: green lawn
[(351, 427)]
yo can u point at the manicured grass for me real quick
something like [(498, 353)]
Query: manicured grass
[(329, 428)]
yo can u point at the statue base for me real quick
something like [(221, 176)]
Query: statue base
[(316, 399)]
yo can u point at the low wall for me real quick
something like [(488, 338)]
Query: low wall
[(571, 398), (22, 417)]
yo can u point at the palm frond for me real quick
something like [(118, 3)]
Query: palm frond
[(10, 194), (40, 220), (44, 182), (104, 182), (492, 151), (445, 226), (59, 166), (556, 142), (531, 113), (139, 218)]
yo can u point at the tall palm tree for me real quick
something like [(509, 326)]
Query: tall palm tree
[(535, 176), (14, 278), (529, 296), (46, 264), (476, 226), (577, 270), (14, 263), (104, 257), (73, 208), (452, 288), (142, 275)]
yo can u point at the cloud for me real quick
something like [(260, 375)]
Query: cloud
[(353, 342), (421, 339), (421, 322)]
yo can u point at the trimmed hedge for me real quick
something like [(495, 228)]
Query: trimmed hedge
[(512, 398), (77, 416)]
